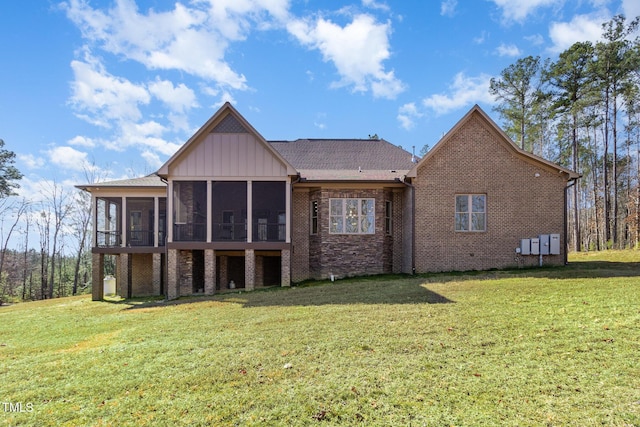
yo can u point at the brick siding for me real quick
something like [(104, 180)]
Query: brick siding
[(475, 160)]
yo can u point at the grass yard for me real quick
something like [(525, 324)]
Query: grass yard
[(535, 347)]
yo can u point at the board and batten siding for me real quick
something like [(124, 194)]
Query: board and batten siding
[(228, 155)]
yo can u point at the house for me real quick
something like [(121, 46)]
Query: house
[(231, 210)]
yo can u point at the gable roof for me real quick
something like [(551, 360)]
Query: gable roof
[(226, 119), (345, 159), (504, 138)]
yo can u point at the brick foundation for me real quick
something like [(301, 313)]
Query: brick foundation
[(97, 277)]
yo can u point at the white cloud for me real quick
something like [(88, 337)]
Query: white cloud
[(481, 38), (448, 7), (631, 8), (148, 134), (581, 28), (375, 5), (31, 161), (407, 115), (535, 39), (192, 39), (357, 50), (319, 122), (518, 10), (104, 96), (464, 91), (508, 50), (82, 141), (152, 159), (178, 98), (68, 158)]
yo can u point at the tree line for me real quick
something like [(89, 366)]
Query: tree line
[(45, 249), (44, 241), (583, 111)]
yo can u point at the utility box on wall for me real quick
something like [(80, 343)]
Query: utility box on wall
[(535, 246), (554, 244), (544, 244)]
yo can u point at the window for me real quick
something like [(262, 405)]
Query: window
[(351, 216), (471, 212), (388, 214), (314, 217)]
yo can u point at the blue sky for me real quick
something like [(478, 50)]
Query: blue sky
[(119, 85)]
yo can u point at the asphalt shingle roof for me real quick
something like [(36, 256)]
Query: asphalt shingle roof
[(345, 159)]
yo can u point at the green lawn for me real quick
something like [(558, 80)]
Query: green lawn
[(550, 346)]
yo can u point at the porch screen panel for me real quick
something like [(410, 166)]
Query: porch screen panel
[(229, 210), (269, 210)]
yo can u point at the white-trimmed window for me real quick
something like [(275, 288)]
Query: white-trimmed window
[(471, 212), (352, 216)]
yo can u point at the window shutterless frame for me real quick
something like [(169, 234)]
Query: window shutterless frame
[(351, 216), (471, 212)]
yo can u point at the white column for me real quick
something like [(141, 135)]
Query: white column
[(288, 216), (123, 222), (249, 211), (209, 211), (94, 204), (156, 221), (169, 213)]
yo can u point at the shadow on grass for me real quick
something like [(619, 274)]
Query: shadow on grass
[(574, 270), (582, 269), (387, 289), (367, 290)]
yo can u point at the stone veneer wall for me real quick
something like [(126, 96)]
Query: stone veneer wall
[(346, 255), (518, 204)]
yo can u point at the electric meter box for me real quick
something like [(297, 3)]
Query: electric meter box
[(525, 246), (544, 244), (535, 246), (554, 244)]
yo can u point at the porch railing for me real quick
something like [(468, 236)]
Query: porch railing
[(140, 238), (189, 232), (108, 238), (269, 232), (224, 231)]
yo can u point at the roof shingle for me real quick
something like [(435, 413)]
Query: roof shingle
[(345, 159)]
